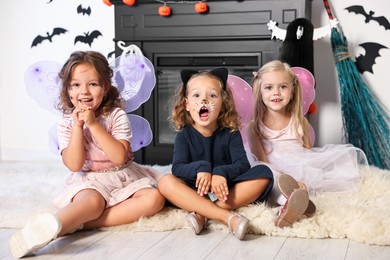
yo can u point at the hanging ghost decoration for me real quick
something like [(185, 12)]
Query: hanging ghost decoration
[(297, 47)]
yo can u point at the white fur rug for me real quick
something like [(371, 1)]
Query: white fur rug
[(362, 215)]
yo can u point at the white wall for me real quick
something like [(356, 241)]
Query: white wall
[(327, 120), (24, 124)]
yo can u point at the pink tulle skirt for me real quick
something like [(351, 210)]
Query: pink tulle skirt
[(331, 168)]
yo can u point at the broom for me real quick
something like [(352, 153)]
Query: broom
[(365, 119)]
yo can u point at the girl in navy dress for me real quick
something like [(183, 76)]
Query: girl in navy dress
[(211, 175)]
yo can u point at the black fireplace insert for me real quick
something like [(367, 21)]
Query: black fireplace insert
[(233, 34)]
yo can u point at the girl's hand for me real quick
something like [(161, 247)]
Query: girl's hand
[(75, 115), (203, 182), (219, 187), (84, 115)]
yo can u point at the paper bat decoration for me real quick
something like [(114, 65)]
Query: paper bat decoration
[(367, 61), (358, 9), (87, 37), (81, 10), (39, 39), (111, 54)]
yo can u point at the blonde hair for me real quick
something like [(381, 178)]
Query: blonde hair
[(180, 117), (294, 107)]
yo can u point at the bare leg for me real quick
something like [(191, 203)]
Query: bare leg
[(145, 202), (244, 193), (186, 198), (86, 205)]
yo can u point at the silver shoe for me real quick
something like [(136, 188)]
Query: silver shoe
[(194, 223), (242, 226)]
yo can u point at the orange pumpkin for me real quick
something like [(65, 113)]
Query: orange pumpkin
[(107, 2), (129, 2), (164, 10), (201, 7)]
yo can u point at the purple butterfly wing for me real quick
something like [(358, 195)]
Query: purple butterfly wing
[(134, 77), (43, 84), (142, 133), (53, 140)]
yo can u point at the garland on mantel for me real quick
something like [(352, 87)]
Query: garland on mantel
[(166, 11)]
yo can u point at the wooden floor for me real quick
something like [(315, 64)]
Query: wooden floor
[(183, 244)]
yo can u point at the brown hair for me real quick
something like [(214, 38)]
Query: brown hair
[(112, 98), (294, 107), (180, 117)]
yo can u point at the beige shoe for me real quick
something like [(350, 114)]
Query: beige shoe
[(287, 184), (194, 223), (38, 232), (294, 208), (242, 226)]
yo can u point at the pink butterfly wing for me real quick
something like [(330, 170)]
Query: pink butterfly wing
[(242, 94)]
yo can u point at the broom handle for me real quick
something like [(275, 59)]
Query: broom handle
[(327, 7)]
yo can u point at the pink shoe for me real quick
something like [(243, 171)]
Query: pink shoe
[(287, 184), (294, 208)]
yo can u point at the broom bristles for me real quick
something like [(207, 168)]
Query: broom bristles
[(365, 118)]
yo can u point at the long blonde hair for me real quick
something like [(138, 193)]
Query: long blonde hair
[(294, 107)]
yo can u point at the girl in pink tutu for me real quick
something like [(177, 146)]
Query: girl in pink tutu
[(278, 134), (105, 187)]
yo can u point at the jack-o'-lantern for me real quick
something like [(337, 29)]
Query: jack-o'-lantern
[(164, 10), (201, 7), (129, 2)]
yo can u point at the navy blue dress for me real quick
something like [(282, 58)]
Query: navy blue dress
[(222, 154)]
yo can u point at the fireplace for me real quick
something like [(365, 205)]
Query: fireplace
[(233, 34)]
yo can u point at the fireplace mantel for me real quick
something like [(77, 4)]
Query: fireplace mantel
[(228, 29), (225, 20)]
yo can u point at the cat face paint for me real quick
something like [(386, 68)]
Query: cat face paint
[(204, 102), (204, 107)]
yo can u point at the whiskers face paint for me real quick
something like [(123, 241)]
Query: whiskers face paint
[(210, 107)]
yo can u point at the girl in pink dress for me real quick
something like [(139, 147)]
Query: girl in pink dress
[(278, 134), (105, 187)]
